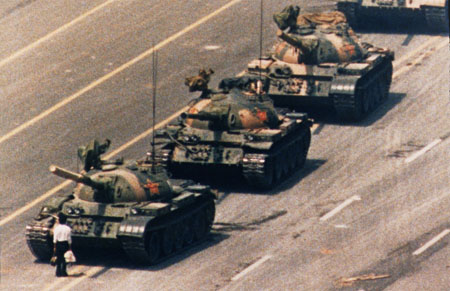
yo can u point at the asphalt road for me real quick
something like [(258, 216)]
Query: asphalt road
[(76, 70)]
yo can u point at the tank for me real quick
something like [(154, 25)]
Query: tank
[(132, 205), (319, 62), (236, 127), (434, 12)]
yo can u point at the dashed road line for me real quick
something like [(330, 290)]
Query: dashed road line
[(53, 33), (340, 207), (251, 267), (431, 242), (423, 151), (420, 58)]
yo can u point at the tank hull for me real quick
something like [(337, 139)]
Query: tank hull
[(145, 231), (433, 12), (353, 89), (260, 155)]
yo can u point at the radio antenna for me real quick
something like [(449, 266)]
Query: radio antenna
[(154, 71), (260, 47)]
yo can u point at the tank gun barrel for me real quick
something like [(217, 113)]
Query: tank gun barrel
[(293, 41), (79, 178), (202, 116)]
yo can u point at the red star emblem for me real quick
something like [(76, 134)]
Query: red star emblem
[(153, 187)]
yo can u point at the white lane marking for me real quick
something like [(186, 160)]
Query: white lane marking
[(419, 58), (341, 226), (211, 47), (340, 207), (423, 151), (115, 72), (53, 33), (431, 242), (251, 267), (108, 156), (424, 45)]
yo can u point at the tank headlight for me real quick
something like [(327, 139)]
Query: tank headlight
[(45, 209), (77, 211), (70, 210), (134, 211)]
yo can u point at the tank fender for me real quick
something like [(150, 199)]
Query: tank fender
[(134, 226), (344, 85)]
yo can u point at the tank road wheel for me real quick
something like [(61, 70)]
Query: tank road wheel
[(188, 234), (199, 225), (152, 246), (168, 238), (178, 239)]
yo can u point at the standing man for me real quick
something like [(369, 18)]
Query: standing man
[(61, 241)]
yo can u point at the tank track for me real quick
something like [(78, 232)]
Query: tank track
[(264, 170), (39, 241), (351, 12), (371, 91), (136, 247), (437, 17)]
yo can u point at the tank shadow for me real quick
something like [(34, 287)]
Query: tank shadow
[(226, 188), (328, 115), (116, 258)]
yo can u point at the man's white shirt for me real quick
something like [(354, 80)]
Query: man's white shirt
[(61, 233)]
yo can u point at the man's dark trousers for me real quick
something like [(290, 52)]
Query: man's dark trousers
[(61, 248)]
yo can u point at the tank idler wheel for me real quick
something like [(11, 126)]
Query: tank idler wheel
[(168, 238), (199, 225), (188, 234), (153, 246), (178, 236)]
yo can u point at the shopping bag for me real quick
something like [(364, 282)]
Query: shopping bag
[(53, 261), (70, 257)]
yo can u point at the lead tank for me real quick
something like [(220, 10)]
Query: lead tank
[(434, 12), (236, 127), (319, 61), (131, 205)]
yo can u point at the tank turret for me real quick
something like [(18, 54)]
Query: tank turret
[(132, 205), (318, 61), (236, 126)]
